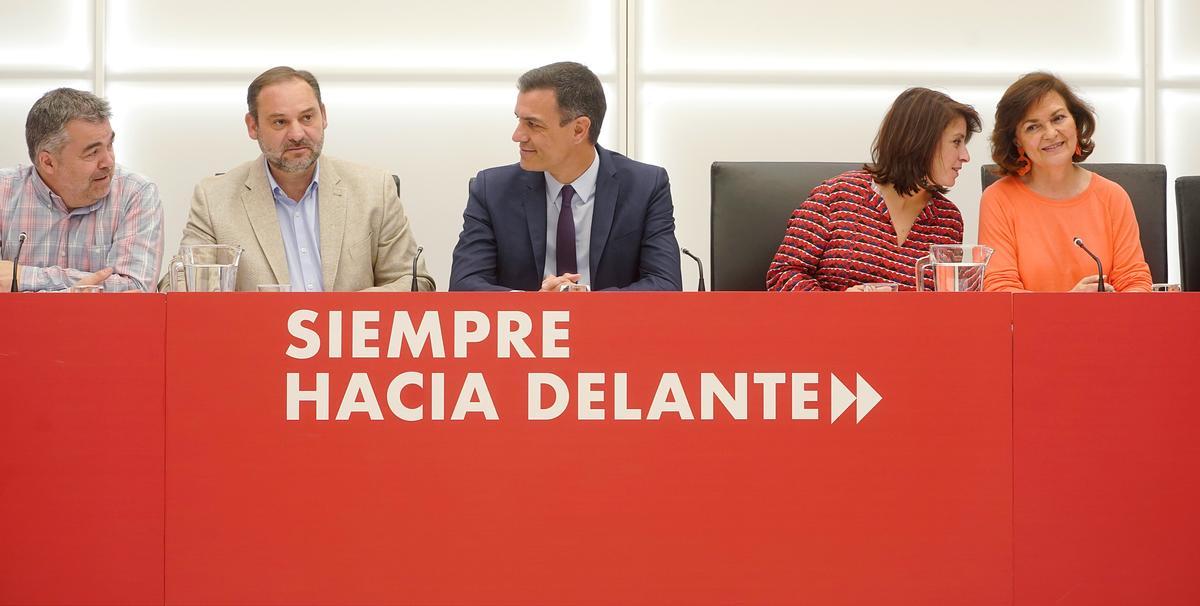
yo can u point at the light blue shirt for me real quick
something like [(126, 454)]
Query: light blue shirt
[(300, 226), (581, 211)]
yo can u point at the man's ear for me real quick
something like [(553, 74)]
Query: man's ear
[(583, 126), (251, 126), (47, 162)]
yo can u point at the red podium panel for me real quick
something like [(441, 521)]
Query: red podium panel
[(1107, 464), (81, 449), (909, 504)]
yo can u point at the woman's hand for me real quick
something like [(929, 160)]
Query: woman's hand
[(1088, 284)]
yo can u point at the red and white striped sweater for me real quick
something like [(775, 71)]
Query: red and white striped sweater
[(842, 235)]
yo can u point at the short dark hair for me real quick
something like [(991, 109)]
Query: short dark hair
[(46, 124), (1010, 111), (909, 136), (276, 75), (577, 90)]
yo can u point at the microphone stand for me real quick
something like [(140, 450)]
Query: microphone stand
[(1099, 268), (414, 272), (700, 264), (16, 261)]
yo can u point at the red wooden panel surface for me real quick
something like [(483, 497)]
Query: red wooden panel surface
[(1107, 465), (911, 506), (81, 449)]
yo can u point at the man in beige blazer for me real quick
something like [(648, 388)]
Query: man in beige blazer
[(310, 221)]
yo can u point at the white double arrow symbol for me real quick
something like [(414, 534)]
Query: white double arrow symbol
[(842, 397)]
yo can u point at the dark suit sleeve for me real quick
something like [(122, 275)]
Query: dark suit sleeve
[(474, 263), (659, 255)]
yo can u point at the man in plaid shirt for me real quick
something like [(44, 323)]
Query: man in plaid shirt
[(87, 220)]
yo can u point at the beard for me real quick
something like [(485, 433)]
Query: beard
[(298, 165)]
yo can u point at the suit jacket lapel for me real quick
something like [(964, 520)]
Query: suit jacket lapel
[(260, 209), (607, 187), (534, 203), (331, 208)]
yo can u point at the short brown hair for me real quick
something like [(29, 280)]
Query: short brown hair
[(276, 75), (909, 136), (577, 90), (1010, 111)]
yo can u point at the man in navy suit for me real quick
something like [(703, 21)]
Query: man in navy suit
[(617, 228)]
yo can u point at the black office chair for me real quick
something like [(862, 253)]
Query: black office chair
[(751, 204), (1187, 203), (1146, 185)]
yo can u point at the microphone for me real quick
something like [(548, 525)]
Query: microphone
[(1099, 268), (16, 260), (414, 274), (699, 263)]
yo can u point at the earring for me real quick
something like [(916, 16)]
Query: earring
[(1078, 150), (1023, 164)]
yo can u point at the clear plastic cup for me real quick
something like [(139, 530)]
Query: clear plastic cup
[(880, 287)]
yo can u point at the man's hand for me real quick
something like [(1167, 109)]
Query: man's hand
[(555, 283), (1088, 284), (96, 278)]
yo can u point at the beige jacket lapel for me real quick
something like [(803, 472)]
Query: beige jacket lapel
[(331, 206), (260, 208)]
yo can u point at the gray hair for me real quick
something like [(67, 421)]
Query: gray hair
[(577, 90), (46, 125)]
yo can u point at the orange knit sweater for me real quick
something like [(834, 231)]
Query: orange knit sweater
[(1032, 237)]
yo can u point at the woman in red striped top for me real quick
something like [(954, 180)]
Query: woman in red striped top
[(872, 225)]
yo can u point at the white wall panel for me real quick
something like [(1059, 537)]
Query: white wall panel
[(359, 35), (1180, 42), (885, 36), (16, 97), (1180, 112), (1181, 151), (46, 35), (1119, 129), (685, 128)]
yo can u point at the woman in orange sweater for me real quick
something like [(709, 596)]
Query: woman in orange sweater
[(1032, 216)]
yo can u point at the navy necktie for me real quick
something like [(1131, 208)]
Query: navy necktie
[(564, 243)]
